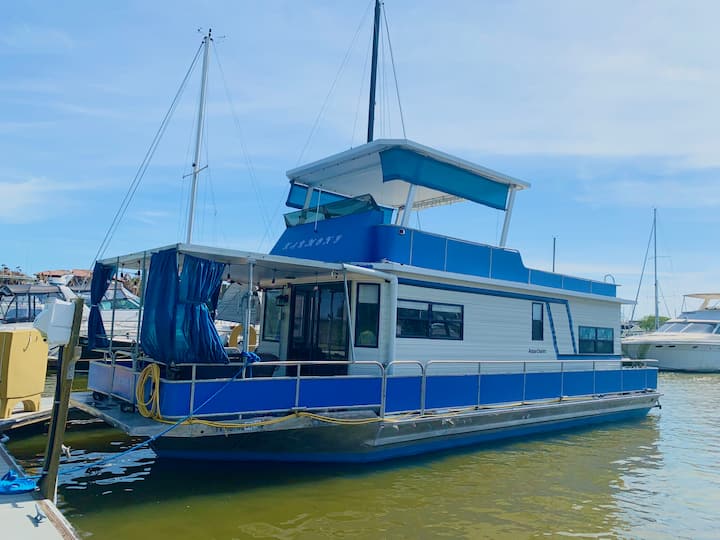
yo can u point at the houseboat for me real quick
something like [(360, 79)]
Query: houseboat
[(377, 340)]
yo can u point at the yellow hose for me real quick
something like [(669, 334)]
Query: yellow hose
[(151, 373)]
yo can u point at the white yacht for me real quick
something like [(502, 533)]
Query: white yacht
[(690, 342)]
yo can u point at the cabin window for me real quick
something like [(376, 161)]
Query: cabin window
[(596, 340), (429, 320), (271, 316), (537, 322), (367, 315)]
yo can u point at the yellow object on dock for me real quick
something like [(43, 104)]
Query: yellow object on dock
[(23, 363)]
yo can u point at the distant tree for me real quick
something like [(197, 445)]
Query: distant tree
[(648, 322)]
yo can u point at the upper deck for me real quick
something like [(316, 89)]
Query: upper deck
[(348, 201)]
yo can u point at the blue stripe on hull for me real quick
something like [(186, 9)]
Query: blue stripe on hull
[(413, 449)]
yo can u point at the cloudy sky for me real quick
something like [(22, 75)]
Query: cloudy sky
[(608, 108)]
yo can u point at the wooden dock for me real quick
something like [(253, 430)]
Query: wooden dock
[(20, 419), (18, 513)]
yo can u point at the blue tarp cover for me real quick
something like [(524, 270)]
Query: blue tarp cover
[(102, 274), (176, 326)]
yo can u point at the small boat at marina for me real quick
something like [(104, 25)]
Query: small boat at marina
[(688, 342), (376, 340), (21, 303)]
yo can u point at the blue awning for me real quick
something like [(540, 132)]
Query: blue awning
[(421, 170)]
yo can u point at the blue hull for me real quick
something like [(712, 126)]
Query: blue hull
[(225, 448)]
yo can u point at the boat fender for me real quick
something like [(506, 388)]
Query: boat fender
[(11, 484)]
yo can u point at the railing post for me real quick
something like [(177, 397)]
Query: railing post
[(562, 379), (297, 385), (383, 394), (524, 380), (423, 389), (594, 385), (192, 390), (479, 383), (622, 379)]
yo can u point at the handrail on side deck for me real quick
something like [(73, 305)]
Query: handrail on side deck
[(385, 373)]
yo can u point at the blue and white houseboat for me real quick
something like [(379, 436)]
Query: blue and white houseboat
[(377, 340)]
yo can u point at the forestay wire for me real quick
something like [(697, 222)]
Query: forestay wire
[(125, 203)]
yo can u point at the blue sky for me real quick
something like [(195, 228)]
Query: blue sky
[(608, 109)]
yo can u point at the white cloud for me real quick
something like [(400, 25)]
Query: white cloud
[(36, 199), (36, 39)]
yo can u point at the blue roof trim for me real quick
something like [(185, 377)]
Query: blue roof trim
[(479, 290), (415, 168)]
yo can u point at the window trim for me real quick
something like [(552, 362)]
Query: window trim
[(541, 321), (430, 320), (357, 314)]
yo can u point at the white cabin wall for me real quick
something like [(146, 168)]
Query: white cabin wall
[(495, 328), (596, 313)]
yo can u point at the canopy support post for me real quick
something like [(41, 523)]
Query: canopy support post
[(409, 202), (351, 324), (308, 197), (248, 310), (141, 294), (508, 215)]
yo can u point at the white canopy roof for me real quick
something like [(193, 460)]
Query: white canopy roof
[(440, 177)]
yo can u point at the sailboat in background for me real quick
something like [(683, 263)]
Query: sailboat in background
[(121, 314)]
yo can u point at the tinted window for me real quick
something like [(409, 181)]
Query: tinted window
[(537, 321), (367, 315), (594, 340), (271, 316), (429, 320)]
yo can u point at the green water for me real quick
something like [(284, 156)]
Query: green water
[(654, 478)]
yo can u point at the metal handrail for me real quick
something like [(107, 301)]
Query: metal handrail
[(384, 373)]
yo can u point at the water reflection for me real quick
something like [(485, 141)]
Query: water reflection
[(654, 478), (576, 484)]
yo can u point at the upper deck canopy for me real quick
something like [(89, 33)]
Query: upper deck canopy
[(375, 168)]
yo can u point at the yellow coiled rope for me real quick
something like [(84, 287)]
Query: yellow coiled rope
[(150, 408)]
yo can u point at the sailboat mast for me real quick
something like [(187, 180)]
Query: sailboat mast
[(373, 73), (657, 311), (198, 138)]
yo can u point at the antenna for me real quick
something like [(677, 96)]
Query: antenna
[(373, 72)]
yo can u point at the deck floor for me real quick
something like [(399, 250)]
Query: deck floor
[(109, 411)]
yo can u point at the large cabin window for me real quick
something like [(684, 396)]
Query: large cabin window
[(595, 340), (429, 320), (271, 316), (537, 322), (367, 315)]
